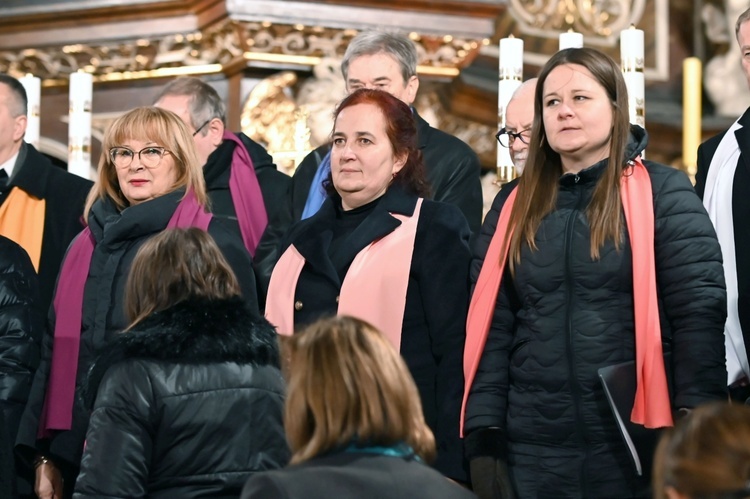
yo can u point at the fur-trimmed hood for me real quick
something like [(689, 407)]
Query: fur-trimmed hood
[(196, 331)]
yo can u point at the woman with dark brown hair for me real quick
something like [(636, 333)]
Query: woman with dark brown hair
[(188, 401), (377, 250), (600, 258), (353, 420), (706, 455)]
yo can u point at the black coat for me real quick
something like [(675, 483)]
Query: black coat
[(21, 327), (436, 301), (64, 195), (453, 172), (118, 236), (354, 476), (740, 213), (189, 403), (536, 399), (275, 186)]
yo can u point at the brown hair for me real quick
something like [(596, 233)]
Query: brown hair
[(537, 188), (401, 129), (173, 266), (707, 454), (742, 19), (156, 125), (347, 384)]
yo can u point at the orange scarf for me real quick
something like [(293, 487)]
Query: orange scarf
[(22, 220), (374, 288), (651, 407)]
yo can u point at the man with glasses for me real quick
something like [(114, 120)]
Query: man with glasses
[(242, 181), (385, 61), (516, 135)]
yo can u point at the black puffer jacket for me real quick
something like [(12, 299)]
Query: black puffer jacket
[(562, 316), (189, 404), (21, 327), (119, 236)]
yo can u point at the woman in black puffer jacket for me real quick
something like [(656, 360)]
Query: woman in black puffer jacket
[(21, 327), (188, 401), (568, 296)]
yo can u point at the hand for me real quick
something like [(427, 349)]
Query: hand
[(48, 483), (490, 479)]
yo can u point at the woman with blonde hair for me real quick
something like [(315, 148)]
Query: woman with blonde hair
[(706, 455), (149, 179), (188, 401), (353, 420)]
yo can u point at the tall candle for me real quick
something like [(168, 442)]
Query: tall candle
[(510, 74), (79, 125), (33, 87), (570, 40), (632, 62), (692, 76)]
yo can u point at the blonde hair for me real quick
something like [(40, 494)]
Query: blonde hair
[(148, 124), (173, 266), (706, 455), (347, 384)]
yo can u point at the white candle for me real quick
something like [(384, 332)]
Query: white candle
[(631, 62), (33, 87), (570, 40), (79, 125), (510, 76)]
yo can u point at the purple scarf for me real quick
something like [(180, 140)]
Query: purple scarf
[(246, 195), (57, 412)]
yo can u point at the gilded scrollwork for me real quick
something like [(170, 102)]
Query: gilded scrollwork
[(590, 17)]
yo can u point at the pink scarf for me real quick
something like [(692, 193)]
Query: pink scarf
[(374, 288), (57, 412), (651, 407), (246, 195)]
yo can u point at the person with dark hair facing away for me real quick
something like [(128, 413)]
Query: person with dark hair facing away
[(353, 420), (40, 204), (21, 328), (188, 400), (242, 181), (149, 180), (600, 258), (706, 455), (379, 251)]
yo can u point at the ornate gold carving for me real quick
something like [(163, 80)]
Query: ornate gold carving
[(590, 17), (214, 48)]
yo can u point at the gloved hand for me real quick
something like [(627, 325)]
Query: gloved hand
[(490, 479)]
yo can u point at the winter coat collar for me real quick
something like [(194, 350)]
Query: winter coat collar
[(637, 141), (196, 331)]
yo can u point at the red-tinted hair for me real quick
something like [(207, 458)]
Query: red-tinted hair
[(401, 129)]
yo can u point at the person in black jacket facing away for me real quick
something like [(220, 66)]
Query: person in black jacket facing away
[(21, 327), (354, 421), (188, 400), (203, 111), (149, 180), (599, 258)]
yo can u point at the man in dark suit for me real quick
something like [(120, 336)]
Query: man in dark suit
[(203, 111), (723, 182), (388, 62), (40, 205)]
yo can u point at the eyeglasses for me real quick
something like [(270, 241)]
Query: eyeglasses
[(506, 137), (201, 127), (150, 157)]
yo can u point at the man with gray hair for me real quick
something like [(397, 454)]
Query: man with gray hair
[(723, 181), (388, 62), (242, 181)]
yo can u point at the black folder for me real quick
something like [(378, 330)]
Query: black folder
[(619, 382)]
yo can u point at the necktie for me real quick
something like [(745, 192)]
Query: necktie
[(3, 180)]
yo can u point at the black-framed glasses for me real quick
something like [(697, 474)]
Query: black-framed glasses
[(201, 127), (150, 157), (506, 137)]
